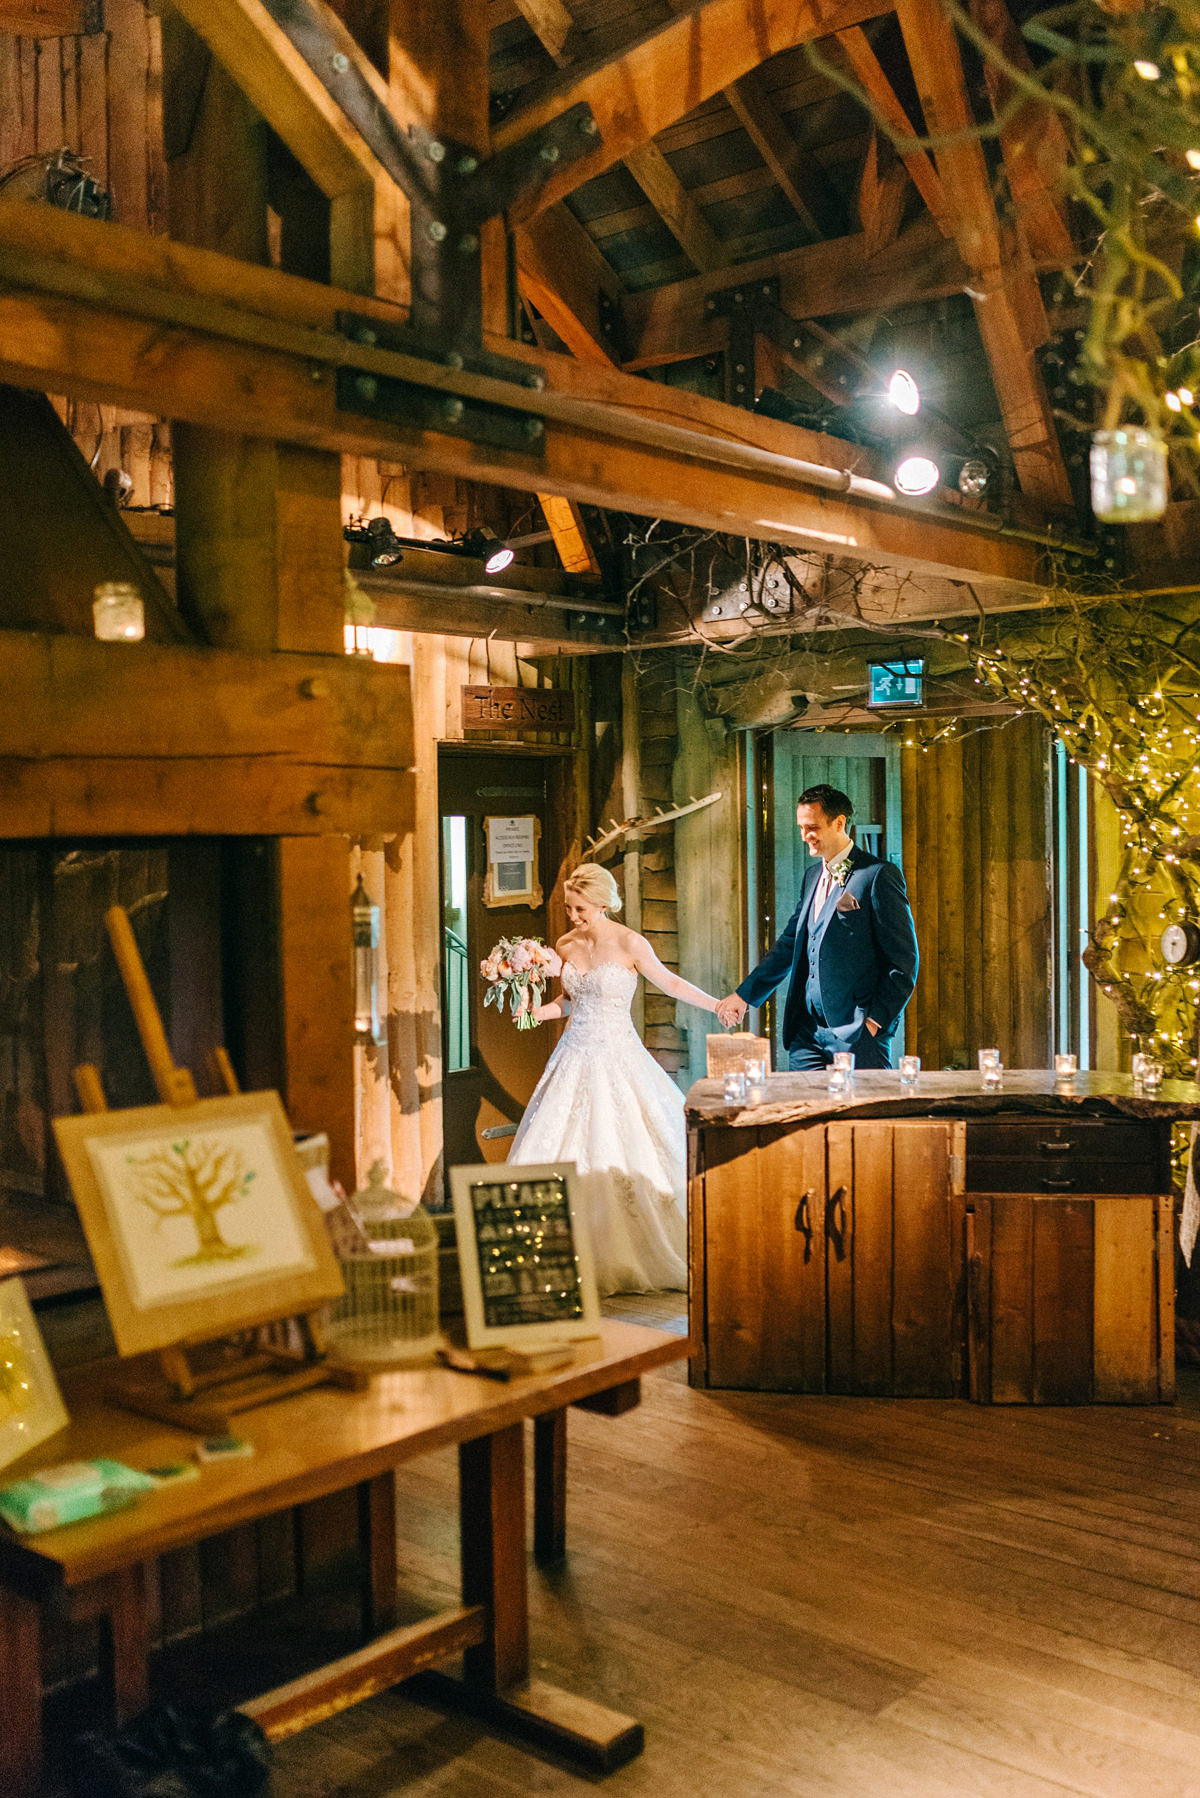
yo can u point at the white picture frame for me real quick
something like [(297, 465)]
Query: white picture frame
[(31, 1406), (514, 1291)]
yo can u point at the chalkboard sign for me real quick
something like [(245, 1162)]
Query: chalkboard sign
[(526, 1262)]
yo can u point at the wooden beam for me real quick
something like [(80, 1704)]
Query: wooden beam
[(881, 196), (1009, 310), (562, 272), (565, 523), (773, 141), (273, 75), (675, 207), (672, 323), (551, 23), (1033, 142), (636, 92), (44, 18), (878, 89), (119, 740), (72, 320)]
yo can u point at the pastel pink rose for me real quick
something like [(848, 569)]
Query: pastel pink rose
[(521, 959)]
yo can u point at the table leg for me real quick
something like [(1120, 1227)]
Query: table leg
[(378, 1570), (496, 1683), (550, 1487), (126, 1645), (20, 1694), (492, 1529)]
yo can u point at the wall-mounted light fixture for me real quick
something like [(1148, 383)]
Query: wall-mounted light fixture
[(364, 918)]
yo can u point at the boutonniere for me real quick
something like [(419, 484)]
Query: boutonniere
[(841, 874)]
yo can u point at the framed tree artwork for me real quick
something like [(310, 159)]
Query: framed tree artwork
[(199, 1218)]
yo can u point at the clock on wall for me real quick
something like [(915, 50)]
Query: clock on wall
[(1180, 944)]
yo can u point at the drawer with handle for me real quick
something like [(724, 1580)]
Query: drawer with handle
[(1068, 1155)]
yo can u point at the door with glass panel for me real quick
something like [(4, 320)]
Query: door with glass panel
[(490, 1068)]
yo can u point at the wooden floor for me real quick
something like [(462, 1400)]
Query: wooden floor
[(905, 1599)]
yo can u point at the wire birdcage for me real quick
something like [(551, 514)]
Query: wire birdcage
[(389, 1311)]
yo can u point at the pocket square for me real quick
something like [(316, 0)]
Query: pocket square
[(848, 902)]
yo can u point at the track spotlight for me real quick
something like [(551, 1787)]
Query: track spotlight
[(386, 548), (495, 554), (904, 393), (915, 471), (980, 472)]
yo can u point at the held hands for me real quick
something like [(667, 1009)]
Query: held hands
[(731, 1010)]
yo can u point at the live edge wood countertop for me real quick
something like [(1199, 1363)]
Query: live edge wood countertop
[(804, 1098)]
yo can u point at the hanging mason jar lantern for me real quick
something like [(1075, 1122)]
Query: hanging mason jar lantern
[(1129, 475), (118, 615), (364, 915)]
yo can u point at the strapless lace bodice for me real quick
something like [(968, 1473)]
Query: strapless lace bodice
[(600, 1000)]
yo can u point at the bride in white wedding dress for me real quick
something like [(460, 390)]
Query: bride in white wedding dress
[(606, 1104)]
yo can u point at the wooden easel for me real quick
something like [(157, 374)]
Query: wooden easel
[(237, 1375)]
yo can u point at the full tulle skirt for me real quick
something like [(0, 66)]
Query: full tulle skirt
[(606, 1104)]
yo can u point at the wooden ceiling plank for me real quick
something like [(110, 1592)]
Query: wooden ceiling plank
[(773, 141), (273, 75), (94, 310), (1009, 306), (817, 280), (675, 207), (638, 91), (1033, 142), (869, 72)]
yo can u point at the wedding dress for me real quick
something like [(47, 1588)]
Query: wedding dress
[(605, 1104)]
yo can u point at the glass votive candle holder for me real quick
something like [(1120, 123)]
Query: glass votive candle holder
[(1151, 1074), (988, 1057), (735, 1086), (1066, 1067), (844, 1059), (910, 1069), (837, 1080), (1138, 1063), (993, 1073), (756, 1082), (118, 615)]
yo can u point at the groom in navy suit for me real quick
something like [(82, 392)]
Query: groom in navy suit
[(849, 947)]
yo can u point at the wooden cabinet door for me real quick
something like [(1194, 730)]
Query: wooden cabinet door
[(894, 1258), (763, 1279), (1072, 1300)]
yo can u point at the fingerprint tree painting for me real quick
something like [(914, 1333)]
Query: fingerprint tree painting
[(194, 1179)]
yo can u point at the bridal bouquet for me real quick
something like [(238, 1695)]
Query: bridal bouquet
[(519, 966)]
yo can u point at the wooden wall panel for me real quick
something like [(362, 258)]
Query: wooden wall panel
[(977, 862)]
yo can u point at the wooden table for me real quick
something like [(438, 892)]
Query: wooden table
[(1011, 1245), (317, 1443)]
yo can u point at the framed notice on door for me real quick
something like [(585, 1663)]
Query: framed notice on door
[(512, 861)]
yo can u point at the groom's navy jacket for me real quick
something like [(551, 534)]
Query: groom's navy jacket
[(857, 961)]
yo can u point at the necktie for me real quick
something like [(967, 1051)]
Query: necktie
[(823, 888)]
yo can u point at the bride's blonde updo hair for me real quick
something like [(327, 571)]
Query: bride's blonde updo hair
[(594, 884)]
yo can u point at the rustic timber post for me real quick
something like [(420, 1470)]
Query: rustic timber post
[(260, 568)]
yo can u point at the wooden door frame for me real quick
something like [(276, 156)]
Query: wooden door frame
[(561, 835)]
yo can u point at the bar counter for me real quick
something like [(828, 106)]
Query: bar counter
[(1006, 1245)]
